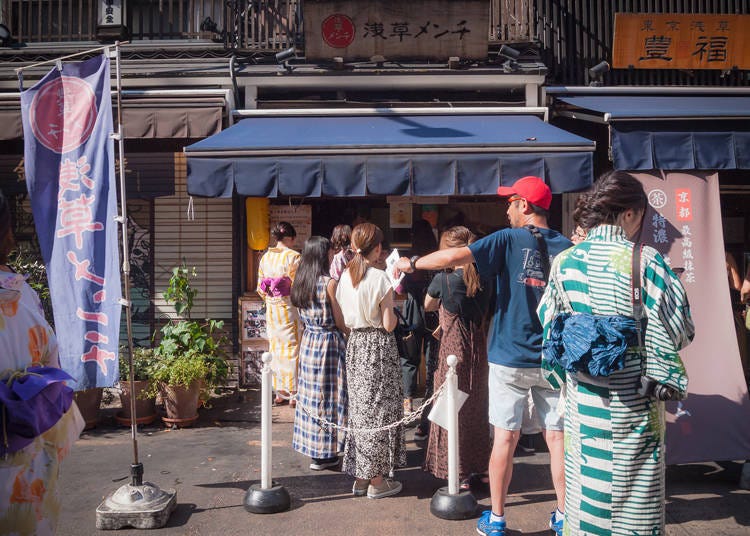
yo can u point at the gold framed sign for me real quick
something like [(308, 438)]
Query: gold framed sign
[(681, 41)]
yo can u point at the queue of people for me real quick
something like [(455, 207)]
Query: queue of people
[(509, 306)]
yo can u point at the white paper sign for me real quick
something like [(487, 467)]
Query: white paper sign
[(439, 413)]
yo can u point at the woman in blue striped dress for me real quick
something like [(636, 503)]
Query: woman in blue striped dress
[(614, 432), (321, 390)]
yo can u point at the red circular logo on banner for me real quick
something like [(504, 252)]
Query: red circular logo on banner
[(338, 31), (63, 114)]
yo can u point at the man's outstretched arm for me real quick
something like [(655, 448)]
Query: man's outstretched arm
[(444, 258)]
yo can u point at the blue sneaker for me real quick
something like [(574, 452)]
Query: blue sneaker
[(556, 526), (490, 529)]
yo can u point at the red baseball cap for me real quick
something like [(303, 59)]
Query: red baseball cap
[(532, 189)]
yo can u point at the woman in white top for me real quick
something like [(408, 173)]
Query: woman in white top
[(373, 369)]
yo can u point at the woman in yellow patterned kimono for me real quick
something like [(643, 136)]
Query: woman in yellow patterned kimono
[(277, 269), (37, 430)]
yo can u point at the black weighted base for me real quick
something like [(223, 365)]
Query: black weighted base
[(463, 505), (267, 501)]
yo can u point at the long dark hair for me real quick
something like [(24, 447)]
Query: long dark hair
[(365, 238), (313, 263), (457, 237), (614, 193)]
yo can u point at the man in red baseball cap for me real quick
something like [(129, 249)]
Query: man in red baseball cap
[(533, 189), (518, 259)]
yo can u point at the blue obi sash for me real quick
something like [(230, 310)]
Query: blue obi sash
[(592, 344)]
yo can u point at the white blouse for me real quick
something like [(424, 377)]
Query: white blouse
[(361, 306)]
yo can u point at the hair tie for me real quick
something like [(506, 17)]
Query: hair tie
[(359, 250)]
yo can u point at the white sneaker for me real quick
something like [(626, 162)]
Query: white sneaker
[(386, 489), (359, 489)]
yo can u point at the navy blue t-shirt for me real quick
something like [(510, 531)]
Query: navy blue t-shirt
[(512, 257)]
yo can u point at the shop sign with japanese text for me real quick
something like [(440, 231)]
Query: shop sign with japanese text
[(677, 41), (110, 12), (426, 29)]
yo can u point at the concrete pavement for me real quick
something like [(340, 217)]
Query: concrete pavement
[(212, 465)]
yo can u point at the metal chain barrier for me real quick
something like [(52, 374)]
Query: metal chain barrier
[(328, 425)]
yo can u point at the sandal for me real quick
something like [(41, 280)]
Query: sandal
[(464, 485), (278, 401)]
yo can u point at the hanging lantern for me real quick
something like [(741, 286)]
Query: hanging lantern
[(258, 230)]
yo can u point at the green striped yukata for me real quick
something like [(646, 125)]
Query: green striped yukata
[(614, 438)]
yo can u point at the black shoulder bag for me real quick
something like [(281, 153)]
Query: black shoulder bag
[(542, 247)]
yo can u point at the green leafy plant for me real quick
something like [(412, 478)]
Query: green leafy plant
[(143, 360), (188, 350)]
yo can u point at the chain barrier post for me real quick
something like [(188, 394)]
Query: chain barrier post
[(450, 502), (267, 497)]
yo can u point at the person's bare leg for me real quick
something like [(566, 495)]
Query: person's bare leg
[(556, 445), (501, 466)]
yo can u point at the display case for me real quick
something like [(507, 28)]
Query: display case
[(254, 339)]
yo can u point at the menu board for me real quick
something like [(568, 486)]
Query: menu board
[(300, 216)]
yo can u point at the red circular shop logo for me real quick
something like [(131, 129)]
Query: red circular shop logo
[(63, 114), (338, 31)]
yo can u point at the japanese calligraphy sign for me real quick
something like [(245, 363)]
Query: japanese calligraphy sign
[(110, 12), (426, 29), (683, 222), (69, 160), (677, 41)]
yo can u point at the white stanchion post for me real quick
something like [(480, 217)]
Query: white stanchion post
[(450, 502), (267, 497), (451, 396), (265, 422)]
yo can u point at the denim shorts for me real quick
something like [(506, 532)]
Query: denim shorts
[(509, 388)]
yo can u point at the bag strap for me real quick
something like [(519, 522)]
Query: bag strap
[(542, 247), (636, 291), (400, 316)]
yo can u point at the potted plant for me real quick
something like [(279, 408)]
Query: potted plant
[(189, 359), (145, 402)]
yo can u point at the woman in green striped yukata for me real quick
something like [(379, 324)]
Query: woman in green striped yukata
[(614, 428)]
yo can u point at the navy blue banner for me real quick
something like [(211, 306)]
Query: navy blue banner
[(69, 163)]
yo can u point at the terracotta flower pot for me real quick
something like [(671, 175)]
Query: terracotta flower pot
[(145, 409), (88, 402), (180, 404)]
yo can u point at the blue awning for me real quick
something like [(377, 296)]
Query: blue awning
[(386, 154), (671, 132)]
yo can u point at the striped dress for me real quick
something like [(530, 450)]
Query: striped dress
[(282, 324), (322, 380), (614, 437)]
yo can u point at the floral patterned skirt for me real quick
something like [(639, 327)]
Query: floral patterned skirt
[(373, 372)]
